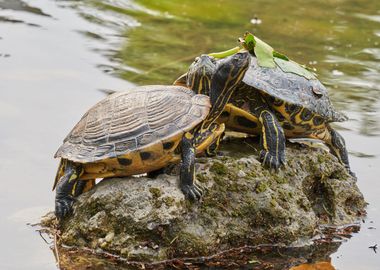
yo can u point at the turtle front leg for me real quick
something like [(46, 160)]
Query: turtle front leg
[(187, 170), (66, 188), (272, 141)]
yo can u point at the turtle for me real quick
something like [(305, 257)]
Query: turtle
[(276, 105), (144, 130)]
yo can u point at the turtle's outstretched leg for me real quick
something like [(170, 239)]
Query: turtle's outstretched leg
[(272, 141), (66, 187), (336, 144), (187, 170)]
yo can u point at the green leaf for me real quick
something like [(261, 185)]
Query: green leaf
[(264, 54), (280, 55), (293, 67), (249, 42)]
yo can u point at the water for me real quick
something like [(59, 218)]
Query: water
[(57, 58)]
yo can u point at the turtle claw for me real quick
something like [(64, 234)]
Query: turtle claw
[(192, 192), (63, 206), (272, 162)]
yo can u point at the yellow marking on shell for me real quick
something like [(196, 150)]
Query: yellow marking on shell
[(159, 158), (235, 112)]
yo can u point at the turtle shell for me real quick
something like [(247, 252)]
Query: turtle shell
[(292, 88), (133, 120)]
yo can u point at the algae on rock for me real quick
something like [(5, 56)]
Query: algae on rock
[(145, 219)]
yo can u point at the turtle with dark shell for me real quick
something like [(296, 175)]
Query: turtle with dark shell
[(144, 130), (276, 105)]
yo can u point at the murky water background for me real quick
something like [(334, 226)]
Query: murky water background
[(57, 58)]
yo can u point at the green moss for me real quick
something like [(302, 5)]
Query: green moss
[(279, 179), (321, 158), (219, 168), (273, 202), (169, 201), (188, 244), (156, 192), (261, 187), (202, 178)]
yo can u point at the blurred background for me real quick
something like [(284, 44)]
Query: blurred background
[(59, 57)]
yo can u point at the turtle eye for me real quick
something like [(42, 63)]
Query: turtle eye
[(213, 60)]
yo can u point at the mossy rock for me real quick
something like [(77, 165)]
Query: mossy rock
[(149, 219)]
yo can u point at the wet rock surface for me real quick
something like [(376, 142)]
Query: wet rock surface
[(145, 219)]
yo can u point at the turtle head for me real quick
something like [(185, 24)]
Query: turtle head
[(200, 73)]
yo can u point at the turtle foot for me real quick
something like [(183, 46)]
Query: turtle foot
[(271, 161), (192, 192), (63, 206)]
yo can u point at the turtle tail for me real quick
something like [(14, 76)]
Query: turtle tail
[(60, 171)]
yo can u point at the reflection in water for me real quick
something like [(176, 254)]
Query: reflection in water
[(309, 257), (314, 266)]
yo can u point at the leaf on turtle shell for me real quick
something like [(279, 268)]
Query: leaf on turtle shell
[(248, 42), (280, 55), (264, 54), (268, 57), (293, 67)]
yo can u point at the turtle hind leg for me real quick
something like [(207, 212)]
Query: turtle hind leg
[(66, 189), (187, 169), (336, 144), (272, 141)]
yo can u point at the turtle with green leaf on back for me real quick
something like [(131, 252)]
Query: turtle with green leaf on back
[(277, 99)]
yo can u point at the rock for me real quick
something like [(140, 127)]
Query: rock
[(145, 219)]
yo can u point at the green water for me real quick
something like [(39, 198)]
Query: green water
[(55, 56)]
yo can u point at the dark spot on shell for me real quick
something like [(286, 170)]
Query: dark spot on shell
[(168, 145), (306, 115), (317, 120), (291, 108), (124, 161), (245, 122), (145, 155)]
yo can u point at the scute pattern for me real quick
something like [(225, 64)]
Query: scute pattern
[(133, 120), (293, 89)]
